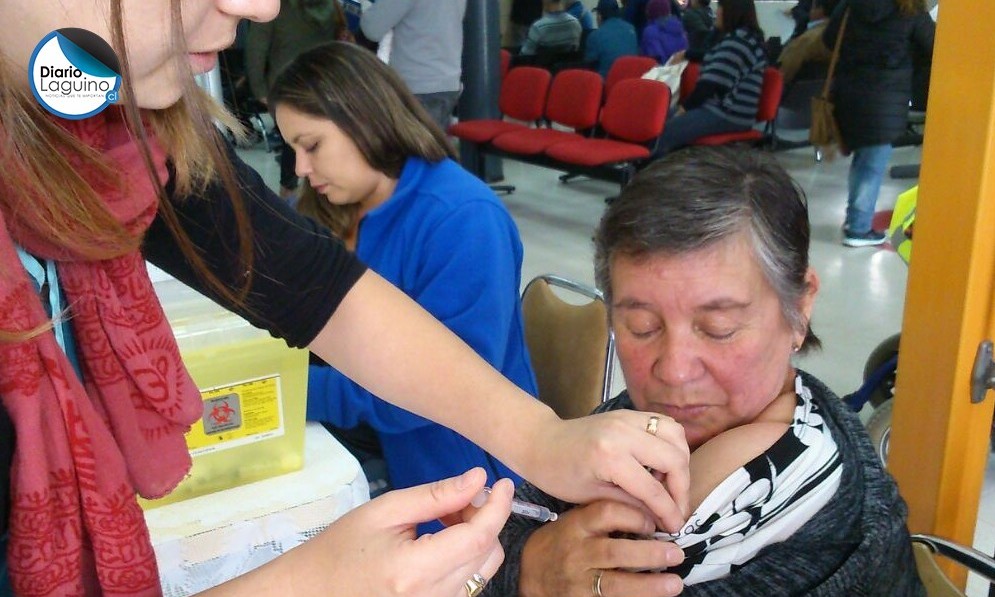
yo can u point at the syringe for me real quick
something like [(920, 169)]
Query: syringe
[(526, 509)]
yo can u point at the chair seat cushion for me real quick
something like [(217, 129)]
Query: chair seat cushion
[(597, 152), (723, 138), (533, 141), (482, 131)]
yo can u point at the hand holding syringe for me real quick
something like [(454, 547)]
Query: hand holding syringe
[(533, 511)]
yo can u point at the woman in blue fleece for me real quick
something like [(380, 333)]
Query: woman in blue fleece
[(384, 180)]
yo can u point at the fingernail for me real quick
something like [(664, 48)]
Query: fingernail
[(464, 480), (674, 586), (675, 556)]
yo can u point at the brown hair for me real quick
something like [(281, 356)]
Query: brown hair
[(369, 102), (340, 219), (56, 203)]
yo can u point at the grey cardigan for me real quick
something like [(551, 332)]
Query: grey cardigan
[(858, 544)]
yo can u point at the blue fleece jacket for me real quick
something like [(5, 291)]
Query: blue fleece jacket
[(444, 239), (614, 38), (663, 38)]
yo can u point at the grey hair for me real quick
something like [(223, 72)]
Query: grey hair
[(697, 197)]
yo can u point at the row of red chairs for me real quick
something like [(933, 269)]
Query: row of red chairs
[(629, 121)]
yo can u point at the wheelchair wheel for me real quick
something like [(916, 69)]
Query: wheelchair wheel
[(879, 429), (885, 351)]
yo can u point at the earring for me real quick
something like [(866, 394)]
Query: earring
[(795, 348)]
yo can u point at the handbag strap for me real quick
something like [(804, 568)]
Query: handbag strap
[(836, 55)]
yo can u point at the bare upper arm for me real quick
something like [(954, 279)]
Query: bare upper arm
[(722, 455)]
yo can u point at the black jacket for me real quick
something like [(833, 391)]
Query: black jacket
[(873, 81)]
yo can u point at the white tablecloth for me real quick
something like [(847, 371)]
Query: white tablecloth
[(203, 542)]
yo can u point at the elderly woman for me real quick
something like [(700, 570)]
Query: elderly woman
[(704, 263)]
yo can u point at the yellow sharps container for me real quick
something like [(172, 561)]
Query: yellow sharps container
[(254, 390)]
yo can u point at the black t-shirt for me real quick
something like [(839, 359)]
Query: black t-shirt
[(300, 272)]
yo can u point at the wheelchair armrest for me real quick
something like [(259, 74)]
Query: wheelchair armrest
[(973, 559)]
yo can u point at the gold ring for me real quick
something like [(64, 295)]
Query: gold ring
[(596, 587), (475, 586), (652, 424)]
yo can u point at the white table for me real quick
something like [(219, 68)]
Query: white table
[(202, 542)]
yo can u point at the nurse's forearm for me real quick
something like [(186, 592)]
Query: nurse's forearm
[(384, 341)]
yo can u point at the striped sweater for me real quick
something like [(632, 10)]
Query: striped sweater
[(736, 64)]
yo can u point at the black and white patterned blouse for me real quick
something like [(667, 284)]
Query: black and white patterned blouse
[(765, 500)]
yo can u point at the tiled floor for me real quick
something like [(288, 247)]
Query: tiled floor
[(862, 295)]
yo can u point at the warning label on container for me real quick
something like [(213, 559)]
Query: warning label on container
[(238, 414)]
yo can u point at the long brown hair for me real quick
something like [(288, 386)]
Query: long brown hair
[(366, 100), (56, 203)]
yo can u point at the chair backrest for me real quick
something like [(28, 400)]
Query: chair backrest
[(575, 98), (627, 67), (572, 348), (636, 110), (770, 94), (689, 78), (505, 63), (523, 93)]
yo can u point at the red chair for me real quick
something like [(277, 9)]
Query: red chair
[(574, 102), (633, 119), (770, 99), (689, 78), (627, 67), (523, 97), (505, 63)]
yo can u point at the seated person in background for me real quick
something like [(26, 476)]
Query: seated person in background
[(727, 93), (614, 37), (664, 34), (580, 12), (635, 13), (703, 260), (699, 24), (807, 53), (390, 188), (556, 30)]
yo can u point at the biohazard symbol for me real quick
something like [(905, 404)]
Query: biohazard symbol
[(221, 413)]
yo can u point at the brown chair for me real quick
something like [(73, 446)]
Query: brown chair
[(571, 345)]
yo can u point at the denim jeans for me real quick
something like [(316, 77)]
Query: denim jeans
[(439, 106), (866, 174), (680, 131)]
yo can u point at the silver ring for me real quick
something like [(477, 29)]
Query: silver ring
[(596, 587), (475, 586), (652, 424)]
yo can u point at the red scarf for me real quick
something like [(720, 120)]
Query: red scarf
[(84, 449)]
